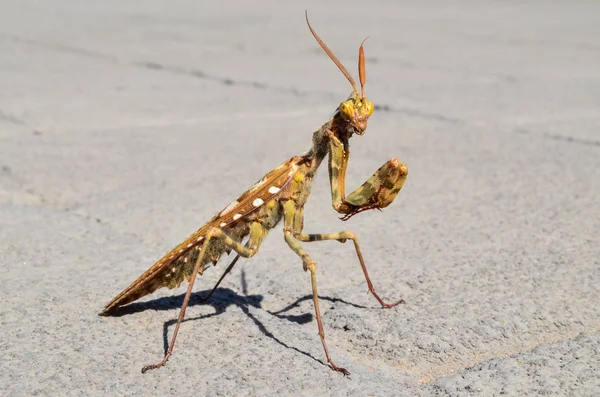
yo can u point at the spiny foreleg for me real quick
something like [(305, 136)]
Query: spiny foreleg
[(377, 192), (257, 235), (342, 237)]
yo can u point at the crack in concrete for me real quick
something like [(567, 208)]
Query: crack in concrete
[(224, 80), (162, 67), (8, 117), (570, 139), (195, 73), (419, 114), (63, 48)]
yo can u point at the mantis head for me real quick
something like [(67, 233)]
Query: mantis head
[(356, 109)]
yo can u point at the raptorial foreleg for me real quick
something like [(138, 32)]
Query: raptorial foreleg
[(377, 192)]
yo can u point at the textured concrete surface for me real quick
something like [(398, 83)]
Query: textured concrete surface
[(126, 125)]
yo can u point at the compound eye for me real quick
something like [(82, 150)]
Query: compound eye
[(368, 108), (347, 109)]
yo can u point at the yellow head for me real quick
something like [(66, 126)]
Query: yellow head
[(357, 109)]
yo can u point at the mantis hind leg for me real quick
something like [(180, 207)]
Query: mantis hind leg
[(342, 237), (257, 235), (212, 291)]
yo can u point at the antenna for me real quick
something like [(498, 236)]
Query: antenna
[(335, 60), (362, 74)]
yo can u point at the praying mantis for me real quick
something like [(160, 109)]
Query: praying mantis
[(280, 196)]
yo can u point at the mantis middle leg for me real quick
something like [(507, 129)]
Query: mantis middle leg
[(342, 237), (293, 224), (293, 218)]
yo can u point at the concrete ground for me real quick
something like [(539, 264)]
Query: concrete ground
[(126, 125)]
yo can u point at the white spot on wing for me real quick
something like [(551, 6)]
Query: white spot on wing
[(223, 224), (237, 216), (258, 202), (229, 207), (274, 189)]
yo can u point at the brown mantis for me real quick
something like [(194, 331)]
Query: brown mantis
[(281, 195)]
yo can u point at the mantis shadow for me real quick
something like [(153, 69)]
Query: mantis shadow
[(220, 301)]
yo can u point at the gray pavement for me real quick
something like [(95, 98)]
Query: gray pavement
[(126, 125)]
